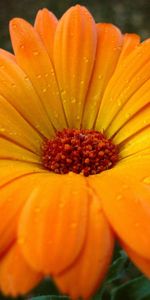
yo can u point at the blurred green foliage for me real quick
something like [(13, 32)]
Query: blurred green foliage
[(129, 15)]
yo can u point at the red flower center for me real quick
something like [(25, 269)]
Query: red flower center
[(79, 151)]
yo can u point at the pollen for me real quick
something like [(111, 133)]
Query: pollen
[(80, 151)]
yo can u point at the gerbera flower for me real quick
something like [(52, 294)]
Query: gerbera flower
[(74, 152)]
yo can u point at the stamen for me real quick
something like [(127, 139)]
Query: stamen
[(79, 151)]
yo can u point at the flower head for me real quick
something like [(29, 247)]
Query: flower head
[(74, 152)]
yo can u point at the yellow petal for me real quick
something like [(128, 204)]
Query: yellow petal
[(15, 128), (74, 55), (16, 277), (105, 63), (12, 151), (133, 72), (45, 25), (55, 215), (137, 102), (87, 272), (137, 143), (33, 58), (134, 125)]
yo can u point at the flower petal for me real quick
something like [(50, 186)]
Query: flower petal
[(12, 151), (125, 191), (134, 125), (58, 220), (74, 55), (137, 102), (16, 277), (15, 128), (133, 72), (130, 42), (142, 263), (8, 54), (139, 142), (14, 191), (15, 85), (45, 25), (85, 275), (34, 60), (105, 64)]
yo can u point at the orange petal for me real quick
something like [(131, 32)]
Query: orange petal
[(13, 195), (133, 72), (45, 25), (85, 275), (56, 216), (16, 277), (125, 192), (105, 64), (130, 42), (142, 263), (8, 55), (15, 85), (33, 58), (74, 55)]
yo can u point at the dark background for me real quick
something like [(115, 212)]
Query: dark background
[(129, 15)]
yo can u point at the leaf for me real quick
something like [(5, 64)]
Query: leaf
[(136, 289)]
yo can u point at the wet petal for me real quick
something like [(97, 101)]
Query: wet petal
[(15, 128), (15, 85), (85, 275), (45, 25), (133, 72), (130, 42), (58, 220), (124, 192), (34, 60), (74, 55), (105, 64)]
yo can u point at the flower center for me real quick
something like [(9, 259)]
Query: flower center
[(79, 151)]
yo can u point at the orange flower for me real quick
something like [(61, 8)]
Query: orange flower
[(73, 99)]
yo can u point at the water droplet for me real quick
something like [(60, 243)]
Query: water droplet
[(119, 102), (146, 180), (13, 84), (73, 100), (78, 117), (63, 92), (46, 74), (38, 76), (35, 53), (2, 129), (26, 78), (21, 46), (99, 77), (82, 82), (86, 59), (44, 90), (127, 115)]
